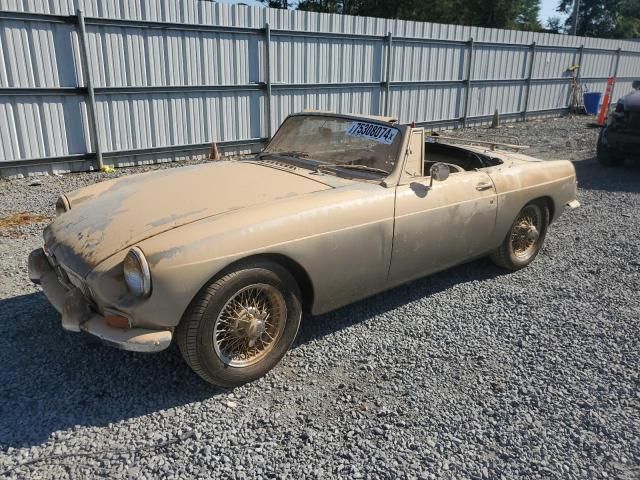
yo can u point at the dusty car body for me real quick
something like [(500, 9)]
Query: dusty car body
[(334, 232), (620, 136)]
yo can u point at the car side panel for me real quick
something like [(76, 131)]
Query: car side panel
[(341, 237), (441, 225), (518, 183)]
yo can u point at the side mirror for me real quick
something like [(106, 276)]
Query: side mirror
[(636, 85), (439, 172)]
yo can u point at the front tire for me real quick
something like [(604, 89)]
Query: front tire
[(241, 324), (525, 237)]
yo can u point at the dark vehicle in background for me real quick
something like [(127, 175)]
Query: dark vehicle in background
[(620, 136)]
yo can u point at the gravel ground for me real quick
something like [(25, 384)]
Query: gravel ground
[(470, 373)]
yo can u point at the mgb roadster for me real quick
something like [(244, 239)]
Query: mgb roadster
[(226, 256)]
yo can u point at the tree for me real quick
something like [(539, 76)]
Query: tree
[(515, 14), (555, 25), (527, 15), (518, 14), (604, 18), (628, 20), (276, 3)]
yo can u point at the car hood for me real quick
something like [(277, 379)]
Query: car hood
[(110, 216)]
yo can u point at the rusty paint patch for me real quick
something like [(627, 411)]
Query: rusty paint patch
[(10, 225)]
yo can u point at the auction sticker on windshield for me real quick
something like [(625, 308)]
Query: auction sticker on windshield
[(372, 131)]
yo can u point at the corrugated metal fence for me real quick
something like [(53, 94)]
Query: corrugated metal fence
[(158, 80)]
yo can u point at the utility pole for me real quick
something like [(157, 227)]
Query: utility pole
[(574, 14)]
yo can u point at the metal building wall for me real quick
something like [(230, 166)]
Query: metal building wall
[(171, 77)]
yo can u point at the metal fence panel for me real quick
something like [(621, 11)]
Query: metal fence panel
[(146, 57), (549, 95), (170, 77), (597, 64), (427, 104), (553, 63), (36, 54), (51, 127), (339, 99), (629, 66), (413, 61), (214, 13), (299, 59), (140, 121), (506, 98), (495, 62)]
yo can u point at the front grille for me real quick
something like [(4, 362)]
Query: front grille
[(78, 282), (68, 277)]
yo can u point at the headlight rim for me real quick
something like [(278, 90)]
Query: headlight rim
[(143, 271), (62, 204)]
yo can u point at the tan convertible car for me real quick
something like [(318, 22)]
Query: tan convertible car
[(226, 256)]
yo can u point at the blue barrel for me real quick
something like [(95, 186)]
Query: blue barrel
[(592, 102)]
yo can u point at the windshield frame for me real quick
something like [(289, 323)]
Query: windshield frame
[(387, 180)]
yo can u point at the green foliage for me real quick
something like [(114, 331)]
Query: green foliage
[(604, 18), (555, 25), (516, 14)]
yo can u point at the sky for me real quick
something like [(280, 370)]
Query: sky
[(547, 7)]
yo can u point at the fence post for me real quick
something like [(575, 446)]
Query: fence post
[(91, 97), (468, 82), (615, 69), (267, 56), (580, 57), (615, 76), (532, 57), (387, 87)]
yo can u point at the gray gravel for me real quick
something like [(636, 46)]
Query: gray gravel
[(471, 373)]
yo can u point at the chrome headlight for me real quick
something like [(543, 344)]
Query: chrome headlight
[(62, 205), (136, 273)]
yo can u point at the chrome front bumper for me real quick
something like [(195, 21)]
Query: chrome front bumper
[(78, 315)]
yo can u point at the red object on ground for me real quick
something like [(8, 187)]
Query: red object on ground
[(604, 108)]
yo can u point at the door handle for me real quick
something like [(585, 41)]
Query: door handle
[(483, 186)]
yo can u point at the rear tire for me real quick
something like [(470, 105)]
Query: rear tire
[(607, 156), (525, 237), (241, 324)]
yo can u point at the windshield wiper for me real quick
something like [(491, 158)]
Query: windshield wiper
[(290, 153), (350, 166)]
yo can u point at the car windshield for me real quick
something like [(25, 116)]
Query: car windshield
[(338, 144)]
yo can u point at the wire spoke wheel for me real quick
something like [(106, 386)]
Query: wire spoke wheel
[(524, 239), (242, 323), (249, 325), (526, 231)]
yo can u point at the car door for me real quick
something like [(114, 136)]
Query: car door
[(439, 224)]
